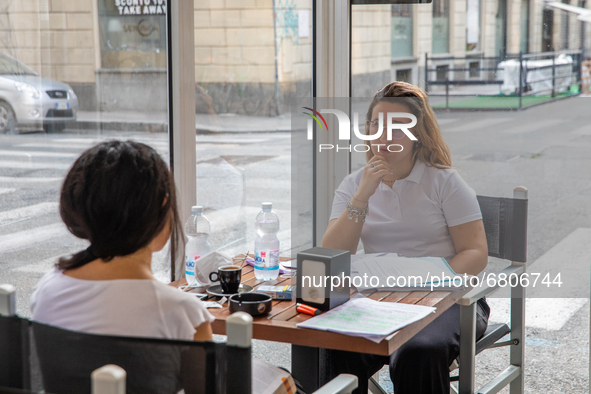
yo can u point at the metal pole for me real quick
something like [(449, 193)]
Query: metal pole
[(580, 73), (277, 111), (520, 78), (426, 72), (553, 76), (447, 92)]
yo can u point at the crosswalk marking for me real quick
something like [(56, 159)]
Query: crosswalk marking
[(475, 125), (533, 126), (29, 165), (31, 153), (545, 313), (42, 266), (27, 238), (18, 179), (30, 211), (570, 257)]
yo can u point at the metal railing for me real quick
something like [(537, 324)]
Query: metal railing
[(488, 73)]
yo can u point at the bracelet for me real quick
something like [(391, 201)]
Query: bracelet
[(358, 212), (365, 202)]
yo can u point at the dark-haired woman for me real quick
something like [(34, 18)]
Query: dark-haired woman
[(121, 197), (412, 202)]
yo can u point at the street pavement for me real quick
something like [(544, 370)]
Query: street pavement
[(545, 148)]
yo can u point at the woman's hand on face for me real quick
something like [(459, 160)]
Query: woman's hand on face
[(373, 173)]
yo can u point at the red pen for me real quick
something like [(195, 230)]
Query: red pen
[(308, 310)]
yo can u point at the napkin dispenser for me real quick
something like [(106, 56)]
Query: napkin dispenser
[(323, 277)]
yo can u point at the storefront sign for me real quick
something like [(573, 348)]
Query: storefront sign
[(141, 7)]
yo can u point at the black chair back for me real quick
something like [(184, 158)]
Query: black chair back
[(505, 224), (67, 359), (14, 352)]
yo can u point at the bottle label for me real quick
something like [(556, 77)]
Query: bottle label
[(267, 260), (190, 265)]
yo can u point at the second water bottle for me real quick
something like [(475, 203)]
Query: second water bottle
[(266, 245), (197, 231)]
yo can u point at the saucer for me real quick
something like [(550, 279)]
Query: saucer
[(217, 291)]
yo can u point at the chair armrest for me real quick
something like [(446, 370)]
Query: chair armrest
[(108, 379), (478, 292), (342, 384), (7, 300)]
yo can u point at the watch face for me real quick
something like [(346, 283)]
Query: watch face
[(313, 281)]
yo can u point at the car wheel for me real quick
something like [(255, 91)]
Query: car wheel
[(7, 119)]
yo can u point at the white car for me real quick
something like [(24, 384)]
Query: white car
[(31, 102)]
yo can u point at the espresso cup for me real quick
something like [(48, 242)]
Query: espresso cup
[(229, 277)]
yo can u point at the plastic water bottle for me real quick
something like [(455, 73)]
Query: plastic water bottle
[(197, 230), (266, 245)]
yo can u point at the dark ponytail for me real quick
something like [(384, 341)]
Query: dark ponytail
[(119, 195)]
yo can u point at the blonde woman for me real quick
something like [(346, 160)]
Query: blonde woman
[(412, 202)]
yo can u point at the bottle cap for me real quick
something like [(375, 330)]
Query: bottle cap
[(267, 205), (196, 209)]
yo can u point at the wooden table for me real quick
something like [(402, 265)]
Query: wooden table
[(280, 324)]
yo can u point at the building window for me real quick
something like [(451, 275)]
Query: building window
[(440, 26), (524, 31), (401, 30), (564, 27), (442, 72), (404, 75), (132, 37), (472, 25), (474, 69)]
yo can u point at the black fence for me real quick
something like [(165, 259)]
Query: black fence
[(550, 74)]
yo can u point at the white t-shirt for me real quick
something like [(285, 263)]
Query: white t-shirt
[(132, 307), (412, 217)]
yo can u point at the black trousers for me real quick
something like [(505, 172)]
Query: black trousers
[(421, 365)]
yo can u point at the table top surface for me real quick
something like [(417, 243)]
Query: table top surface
[(280, 324)]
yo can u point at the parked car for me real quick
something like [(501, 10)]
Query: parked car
[(31, 102)]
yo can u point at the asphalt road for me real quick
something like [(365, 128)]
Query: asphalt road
[(545, 148)]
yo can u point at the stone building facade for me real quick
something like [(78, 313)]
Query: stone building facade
[(113, 52)]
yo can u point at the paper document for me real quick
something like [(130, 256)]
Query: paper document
[(392, 272), (364, 317), (268, 379)]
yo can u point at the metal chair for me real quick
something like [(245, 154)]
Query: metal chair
[(505, 224), (62, 361)]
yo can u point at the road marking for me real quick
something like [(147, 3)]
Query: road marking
[(13, 179), (82, 146), (33, 210), (33, 165), (545, 313), (5, 190), (478, 125), (571, 259), (27, 238), (533, 126), (446, 121), (585, 130), (31, 153), (42, 266)]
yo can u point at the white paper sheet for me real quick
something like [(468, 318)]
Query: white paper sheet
[(364, 317), (413, 272)]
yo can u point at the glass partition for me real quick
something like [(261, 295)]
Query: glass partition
[(402, 27), (544, 146), (72, 74), (440, 36), (251, 61)]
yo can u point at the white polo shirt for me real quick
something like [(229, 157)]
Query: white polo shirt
[(412, 217)]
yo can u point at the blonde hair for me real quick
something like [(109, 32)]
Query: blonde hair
[(430, 148)]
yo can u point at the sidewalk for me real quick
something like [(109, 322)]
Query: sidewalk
[(158, 122)]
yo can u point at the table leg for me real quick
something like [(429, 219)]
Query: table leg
[(310, 367)]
